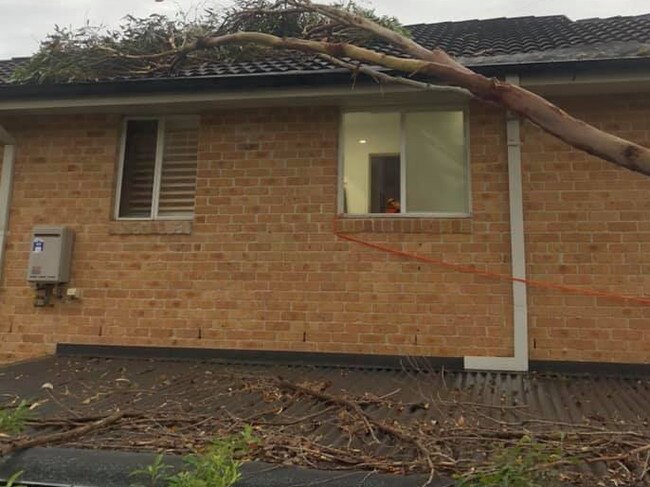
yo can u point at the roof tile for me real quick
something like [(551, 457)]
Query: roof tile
[(469, 40)]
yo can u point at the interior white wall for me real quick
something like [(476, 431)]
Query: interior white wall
[(381, 131)]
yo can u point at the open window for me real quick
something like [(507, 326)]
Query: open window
[(157, 177), (412, 163)]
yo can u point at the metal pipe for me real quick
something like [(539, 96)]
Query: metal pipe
[(518, 255), (6, 184)]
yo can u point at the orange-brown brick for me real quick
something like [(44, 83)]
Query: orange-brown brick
[(588, 225), (261, 269)]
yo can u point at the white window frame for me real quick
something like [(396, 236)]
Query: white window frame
[(403, 111), (157, 178)]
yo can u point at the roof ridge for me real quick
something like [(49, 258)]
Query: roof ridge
[(591, 19), (489, 19)]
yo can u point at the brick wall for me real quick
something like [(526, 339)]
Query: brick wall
[(588, 225), (260, 268)]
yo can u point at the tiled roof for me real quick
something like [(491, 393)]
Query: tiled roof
[(7, 67), (475, 42), (475, 38)]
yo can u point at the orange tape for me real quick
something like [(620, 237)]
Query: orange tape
[(494, 275)]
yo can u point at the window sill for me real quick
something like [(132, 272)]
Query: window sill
[(404, 224), (150, 227)]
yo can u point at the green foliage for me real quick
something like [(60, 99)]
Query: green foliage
[(389, 21), (217, 466), (93, 52), (11, 481), (12, 420), (156, 473), (527, 464)]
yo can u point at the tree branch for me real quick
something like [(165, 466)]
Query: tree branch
[(144, 47), (526, 104), (380, 77), (63, 436), (368, 420), (402, 42)]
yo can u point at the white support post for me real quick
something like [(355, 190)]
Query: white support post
[(518, 255), (5, 138), (6, 184)]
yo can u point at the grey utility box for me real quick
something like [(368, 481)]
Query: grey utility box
[(50, 255)]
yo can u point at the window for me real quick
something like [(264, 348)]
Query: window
[(158, 168), (412, 163)]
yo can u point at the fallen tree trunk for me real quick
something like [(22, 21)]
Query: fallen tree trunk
[(344, 34), (524, 103)]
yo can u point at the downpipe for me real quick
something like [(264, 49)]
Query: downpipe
[(518, 363), (6, 184)]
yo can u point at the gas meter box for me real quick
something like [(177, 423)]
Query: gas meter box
[(51, 255)]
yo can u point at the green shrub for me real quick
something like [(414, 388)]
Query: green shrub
[(527, 464), (13, 420), (217, 466), (11, 481), (156, 473)]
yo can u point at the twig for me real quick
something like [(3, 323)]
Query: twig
[(481, 405), (622, 456), (380, 425), (323, 396), (298, 420), (646, 467), (380, 76), (63, 436)]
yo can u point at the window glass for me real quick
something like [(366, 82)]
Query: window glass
[(369, 138), (138, 169), (426, 149), (436, 173)]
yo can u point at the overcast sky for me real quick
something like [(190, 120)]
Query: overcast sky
[(24, 22)]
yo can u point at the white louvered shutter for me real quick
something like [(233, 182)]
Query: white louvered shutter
[(178, 172)]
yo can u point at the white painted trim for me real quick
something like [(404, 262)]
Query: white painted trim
[(505, 364), (403, 111), (518, 254), (157, 170), (340, 177), (158, 163), (517, 241), (468, 161), (603, 77), (606, 79), (5, 137), (397, 216), (120, 170), (6, 186), (281, 95), (402, 165)]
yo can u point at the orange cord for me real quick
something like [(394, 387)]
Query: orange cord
[(493, 275)]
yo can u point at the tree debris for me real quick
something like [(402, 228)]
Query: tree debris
[(380, 433), (60, 437)]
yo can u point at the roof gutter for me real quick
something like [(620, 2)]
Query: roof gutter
[(6, 184), (28, 96), (280, 95), (519, 362)]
